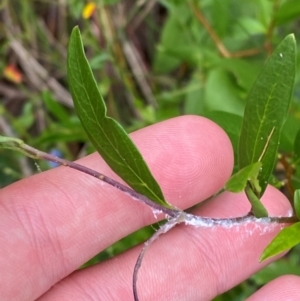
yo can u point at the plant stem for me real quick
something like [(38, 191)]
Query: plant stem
[(37, 154), (200, 221), (163, 229), (181, 216)]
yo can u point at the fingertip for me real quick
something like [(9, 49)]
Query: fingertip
[(286, 287), (276, 203), (196, 161)]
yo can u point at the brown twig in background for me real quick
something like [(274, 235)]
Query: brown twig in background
[(38, 75), (148, 5), (53, 41), (133, 55), (289, 171), (10, 93), (110, 32), (219, 44), (135, 62)]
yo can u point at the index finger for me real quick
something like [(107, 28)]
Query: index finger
[(57, 220)]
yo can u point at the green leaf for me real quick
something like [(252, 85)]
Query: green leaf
[(220, 18), (288, 11), (239, 180), (297, 202), (288, 135), (297, 148), (176, 31), (286, 239), (246, 179), (278, 268), (222, 93), (107, 136), (266, 110), (193, 96), (244, 72), (55, 107), (257, 208), (230, 123), (15, 144)]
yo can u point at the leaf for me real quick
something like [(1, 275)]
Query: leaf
[(297, 202), (288, 134), (220, 18), (222, 93), (288, 11), (239, 180), (246, 179), (244, 72), (107, 135), (278, 268), (230, 123), (297, 148), (176, 31), (286, 239), (55, 107), (257, 208), (266, 110), (193, 96), (16, 145)]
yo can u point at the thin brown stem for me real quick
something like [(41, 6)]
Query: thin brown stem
[(163, 229), (289, 171), (37, 154), (187, 218)]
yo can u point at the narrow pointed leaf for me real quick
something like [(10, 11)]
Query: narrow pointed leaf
[(286, 239), (257, 208), (297, 202), (107, 135), (246, 179), (239, 180), (266, 110)]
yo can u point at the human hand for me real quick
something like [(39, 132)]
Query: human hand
[(55, 221)]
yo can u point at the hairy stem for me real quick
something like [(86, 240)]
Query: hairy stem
[(187, 218), (198, 221), (190, 219)]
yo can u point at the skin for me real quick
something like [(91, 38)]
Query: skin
[(53, 222)]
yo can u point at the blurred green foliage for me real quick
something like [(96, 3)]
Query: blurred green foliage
[(153, 60)]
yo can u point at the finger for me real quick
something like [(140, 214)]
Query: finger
[(57, 220), (282, 288), (185, 264)]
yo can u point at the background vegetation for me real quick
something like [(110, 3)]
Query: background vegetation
[(153, 60)]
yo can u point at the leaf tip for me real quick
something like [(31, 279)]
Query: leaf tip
[(75, 32)]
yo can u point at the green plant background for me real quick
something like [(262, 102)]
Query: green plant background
[(151, 62)]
